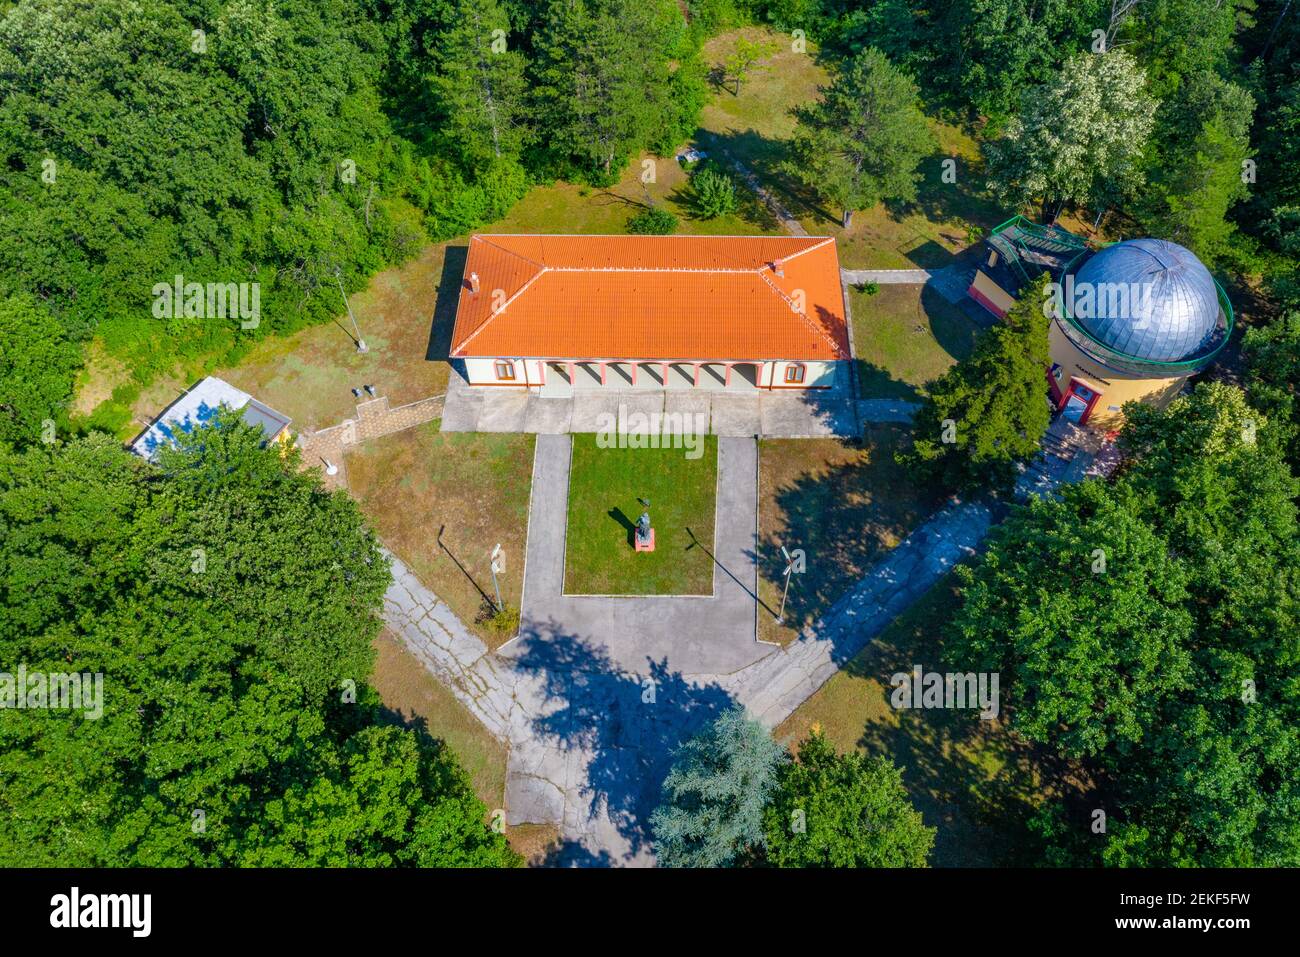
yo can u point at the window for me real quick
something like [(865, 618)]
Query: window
[(505, 370), (794, 372)]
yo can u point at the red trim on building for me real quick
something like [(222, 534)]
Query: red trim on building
[(1087, 411), (984, 301)]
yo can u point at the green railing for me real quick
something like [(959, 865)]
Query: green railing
[(1020, 255)]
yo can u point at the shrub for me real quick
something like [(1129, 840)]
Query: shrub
[(715, 191), (501, 621), (653, 222)]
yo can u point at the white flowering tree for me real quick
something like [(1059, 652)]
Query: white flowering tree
[(1078, 139)]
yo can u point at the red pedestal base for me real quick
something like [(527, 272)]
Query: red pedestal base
[(641, 546)]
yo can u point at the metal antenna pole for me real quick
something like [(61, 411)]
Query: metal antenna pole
[(789, 567)]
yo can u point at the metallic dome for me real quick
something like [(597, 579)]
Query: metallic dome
[(1175, 317)]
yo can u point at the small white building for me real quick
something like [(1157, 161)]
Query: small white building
[(555, 314), (198, 406)]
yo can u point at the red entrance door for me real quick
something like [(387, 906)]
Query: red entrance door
[(1078, 403)]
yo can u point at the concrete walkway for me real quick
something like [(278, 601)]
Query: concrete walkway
[(951, 281), (887, 410), (889, 276), (791, 415)]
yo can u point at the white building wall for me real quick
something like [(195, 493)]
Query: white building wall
[(771, 373)]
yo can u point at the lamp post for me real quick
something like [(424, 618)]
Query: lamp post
[(361, 343), (789, 567), (498, 567)]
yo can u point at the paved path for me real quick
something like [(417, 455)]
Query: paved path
[(770, 414), (909, 276), (772, 689), (591, 737), (886, 410), (374, 418), (949, 281)]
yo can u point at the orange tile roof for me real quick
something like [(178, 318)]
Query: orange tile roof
[(652, 297)]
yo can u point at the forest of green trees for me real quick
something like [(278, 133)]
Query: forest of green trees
[(284, 143), (300, 143)]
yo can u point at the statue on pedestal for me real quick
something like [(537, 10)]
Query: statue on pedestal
[(645, 534)]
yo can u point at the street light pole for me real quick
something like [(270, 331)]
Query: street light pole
[(789, 567), (361, 343), (498, 565)]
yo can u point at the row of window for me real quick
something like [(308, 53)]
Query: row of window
[(505, 371)]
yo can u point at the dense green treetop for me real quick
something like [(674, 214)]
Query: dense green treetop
[(989, 411), (229, 603), (850, 810), (862, 142)]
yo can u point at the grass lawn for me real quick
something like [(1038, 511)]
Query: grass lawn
[(473, 487), (604, 485), (417, 700), (844, 503), (905, 336), (755, 126), (568, 208), (973, 780)]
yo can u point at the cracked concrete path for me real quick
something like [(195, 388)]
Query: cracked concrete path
[(590, 740), (949, 281)]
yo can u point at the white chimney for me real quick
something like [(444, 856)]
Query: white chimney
[(776, 268), (473, 282)]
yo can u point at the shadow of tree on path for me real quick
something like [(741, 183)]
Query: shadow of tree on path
[(629, 723)]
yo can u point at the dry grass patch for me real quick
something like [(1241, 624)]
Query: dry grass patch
[(473, 487), (844, 503), (754, 126), (309, 375)]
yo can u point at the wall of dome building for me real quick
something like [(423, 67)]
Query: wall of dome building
[(1132, 321)]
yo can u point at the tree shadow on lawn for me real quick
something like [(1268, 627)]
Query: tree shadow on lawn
[(952, 327), (847, 518), (877, 382), (593, 705), (946, 206)]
